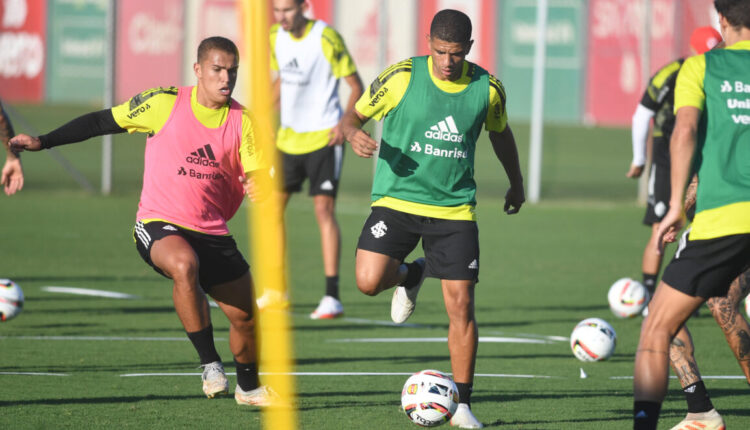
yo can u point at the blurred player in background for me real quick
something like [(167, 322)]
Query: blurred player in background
[(424, 183), (658, 103), (200, 160), (12, 173), (310, 58), (711, 133)]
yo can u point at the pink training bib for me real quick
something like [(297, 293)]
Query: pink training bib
[(190, 173)]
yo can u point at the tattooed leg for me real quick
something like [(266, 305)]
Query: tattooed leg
[(682, 358), (727, 313)]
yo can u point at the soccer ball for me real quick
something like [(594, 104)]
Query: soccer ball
[(429, 398), (747, 306), (627, 298), (11, 300), (593, 339)]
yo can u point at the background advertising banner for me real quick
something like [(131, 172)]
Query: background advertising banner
[(614, 70), (564, 60), (149, 45), (77, 50), (22, 53)]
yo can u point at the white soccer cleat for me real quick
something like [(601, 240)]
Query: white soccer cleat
[(272, 299), (405, 299), (710, 420), (261, 396), (214, 380), (465, 419), (328, 308)]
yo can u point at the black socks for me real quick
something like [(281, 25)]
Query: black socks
[(203, 341)]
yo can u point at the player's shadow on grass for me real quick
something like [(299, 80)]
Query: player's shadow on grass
[(85, 278), (117, 369), (97, 400), (399, 359), (557, 307), (98, 309)]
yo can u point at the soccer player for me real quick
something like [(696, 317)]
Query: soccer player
[(12, 173), (200, 160), (658, 103), (727, 314), (424, 186), (712, 127), (310, 58)]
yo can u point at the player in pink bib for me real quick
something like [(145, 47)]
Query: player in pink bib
[(200, 161)]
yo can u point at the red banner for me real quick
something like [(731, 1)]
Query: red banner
[(149, 45), (321, 9), (482, 14), (615, 79), (22, 49)]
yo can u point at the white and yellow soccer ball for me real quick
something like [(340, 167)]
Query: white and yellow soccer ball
[(429, 398), (593, 339), (627, 298), (11, 300)]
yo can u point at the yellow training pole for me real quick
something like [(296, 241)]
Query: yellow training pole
[(265, 226)]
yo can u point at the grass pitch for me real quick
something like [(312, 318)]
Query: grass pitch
[(71, 361)]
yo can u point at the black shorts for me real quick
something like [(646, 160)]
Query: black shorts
[(706, 268), (451, 248), (322, 167), (219, 259), (658, 194)]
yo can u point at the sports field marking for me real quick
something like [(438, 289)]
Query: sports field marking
[(382, 322), (484, 375), (100, 338), (89, 292), (33, 374), (482, 339)]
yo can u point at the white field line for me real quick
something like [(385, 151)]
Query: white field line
[(33, 374), (482, 339), (102, 338), (89, 292)]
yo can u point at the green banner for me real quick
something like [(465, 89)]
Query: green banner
[(77, 48), (565, 60)]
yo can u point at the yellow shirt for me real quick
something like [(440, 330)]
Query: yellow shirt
[(148, 111)]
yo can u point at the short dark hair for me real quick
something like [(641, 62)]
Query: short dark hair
[(217, 42), (737, 12), (451, 26)]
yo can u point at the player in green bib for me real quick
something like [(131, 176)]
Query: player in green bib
[(433, 109), (712, 137)]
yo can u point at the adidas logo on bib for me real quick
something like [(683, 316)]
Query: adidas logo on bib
[(445, 130), (474, 265)]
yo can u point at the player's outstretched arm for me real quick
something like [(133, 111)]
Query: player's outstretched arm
[(84, 127), (351, 125), (504, 145)]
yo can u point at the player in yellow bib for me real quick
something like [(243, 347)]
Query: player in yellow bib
[(310, 58)]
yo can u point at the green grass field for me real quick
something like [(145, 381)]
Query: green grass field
[(543, 270)]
